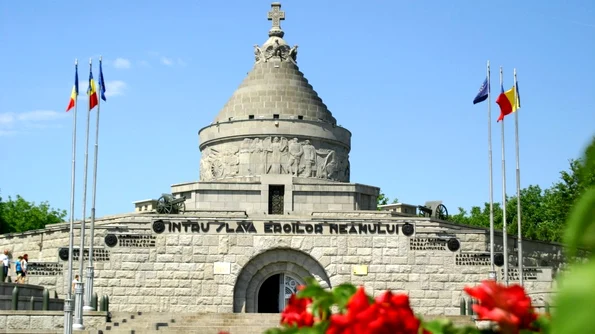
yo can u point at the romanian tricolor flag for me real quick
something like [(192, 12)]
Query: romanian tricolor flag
[(92, 91), (75, 90), (508, 102)]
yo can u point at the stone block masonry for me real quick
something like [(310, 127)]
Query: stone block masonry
[(186, 269)]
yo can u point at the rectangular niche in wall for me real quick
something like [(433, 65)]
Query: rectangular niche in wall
[(276, 199)]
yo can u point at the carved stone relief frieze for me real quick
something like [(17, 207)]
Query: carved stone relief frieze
[(278, 50), (274, 155)]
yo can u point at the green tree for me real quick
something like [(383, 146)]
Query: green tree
[(383, 200), (19, 215), (543, 212)]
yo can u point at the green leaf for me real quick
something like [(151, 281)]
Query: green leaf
[(574, 302), (581, 224), (445, 326), (342, 293)]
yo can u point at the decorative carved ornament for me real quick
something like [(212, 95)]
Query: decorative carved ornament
[(111, 240), (274, 155), (408, 229), (277, 51), (453, 244)]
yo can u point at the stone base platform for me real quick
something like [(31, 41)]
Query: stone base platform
[(267, 194)]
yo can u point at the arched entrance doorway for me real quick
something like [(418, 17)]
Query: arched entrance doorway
[(266, 281), (275, 291)]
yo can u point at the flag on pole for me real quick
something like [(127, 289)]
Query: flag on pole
[(518, 96), (75, 90), (101, 82), (92, 91), (507, 101), (483, 92)]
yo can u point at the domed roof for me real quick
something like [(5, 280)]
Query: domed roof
[(275, 87)]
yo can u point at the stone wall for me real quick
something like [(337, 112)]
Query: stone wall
[(13, 321), (301, 195), (180, 268)]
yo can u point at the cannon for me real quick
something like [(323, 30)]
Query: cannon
[(433, 209), (167, 204)]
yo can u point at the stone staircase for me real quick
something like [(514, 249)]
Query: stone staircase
[(199, 323), (206, 323)]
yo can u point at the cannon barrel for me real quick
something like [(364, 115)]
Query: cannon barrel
[(178, 200)]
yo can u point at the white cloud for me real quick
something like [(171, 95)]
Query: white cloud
[(122, 63), (115, 88), (39, 116), (6, 118), (12, 123), (167, 61), (164, 60)]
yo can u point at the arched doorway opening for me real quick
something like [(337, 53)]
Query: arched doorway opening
[(275, 291), (263, 279)]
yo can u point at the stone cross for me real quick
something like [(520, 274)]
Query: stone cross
[(276, 15)]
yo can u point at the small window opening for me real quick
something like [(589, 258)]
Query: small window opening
[(300, 117), (250, 116), (276, 116)]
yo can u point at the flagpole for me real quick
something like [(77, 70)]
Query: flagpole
[(79, 285), (90, 268), (68, 307), (518, 184), (492, 274), (504, 233)]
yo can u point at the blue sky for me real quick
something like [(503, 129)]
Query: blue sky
[(400, 75)]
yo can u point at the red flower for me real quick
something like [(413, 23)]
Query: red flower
[(296, 312), (389, 314), (509, 306)]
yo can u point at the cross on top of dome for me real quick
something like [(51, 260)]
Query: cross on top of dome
[(276, 15)]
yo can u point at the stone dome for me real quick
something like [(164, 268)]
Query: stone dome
[(275, 88), (275, 123), (275, 85)]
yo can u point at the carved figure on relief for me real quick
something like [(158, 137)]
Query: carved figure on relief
[(327, 164), (245, 157), (293, 53), (257, 53), (210, 165), (276, 151), (309, 158), (257, 161), (231, 161), (295, 153)]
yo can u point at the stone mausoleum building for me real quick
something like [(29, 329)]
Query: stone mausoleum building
[(275, 204)]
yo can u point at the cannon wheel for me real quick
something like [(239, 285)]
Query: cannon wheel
[(441, 212), (180, 207), (163, 206)]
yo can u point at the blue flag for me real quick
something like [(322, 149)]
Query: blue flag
[(101, 83), (483, 92)]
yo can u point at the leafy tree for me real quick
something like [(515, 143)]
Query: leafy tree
[(544, 212), (383, 200), (19, 215)]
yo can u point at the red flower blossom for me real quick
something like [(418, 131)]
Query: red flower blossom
[(509, 306), (296, 312), (389, 314)]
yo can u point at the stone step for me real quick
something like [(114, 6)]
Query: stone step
[(253, 323), (204, 330)]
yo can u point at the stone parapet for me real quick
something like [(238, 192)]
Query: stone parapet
[(37, 321)]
